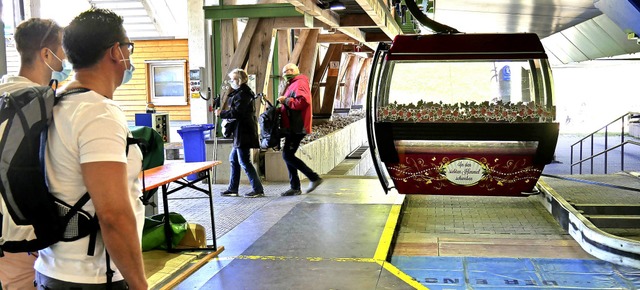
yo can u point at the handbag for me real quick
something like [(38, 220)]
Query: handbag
[(153, 236), (228, 127)]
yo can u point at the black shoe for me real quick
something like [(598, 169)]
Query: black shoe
[(254, 194), (314, 184), (229, 193), (291, 192)]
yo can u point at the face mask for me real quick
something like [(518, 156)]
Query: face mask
[(128, 73), (64, 73), (289, 77), (234, 84)]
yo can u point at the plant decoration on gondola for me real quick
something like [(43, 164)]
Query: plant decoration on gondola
[(467, 112), (478, 117)]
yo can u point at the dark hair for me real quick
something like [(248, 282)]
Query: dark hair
[(90, 34), (33, 34)]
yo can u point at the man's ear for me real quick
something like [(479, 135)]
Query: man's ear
[(113, 52), (44, 53)]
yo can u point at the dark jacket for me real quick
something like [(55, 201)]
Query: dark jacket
[(242, 108), (297, 111)]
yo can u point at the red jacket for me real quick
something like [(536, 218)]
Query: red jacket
[(297, 111)]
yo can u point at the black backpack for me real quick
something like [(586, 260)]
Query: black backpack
[(269, 121), (32, 218)]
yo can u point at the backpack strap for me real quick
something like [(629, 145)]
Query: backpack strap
[(69, 92)]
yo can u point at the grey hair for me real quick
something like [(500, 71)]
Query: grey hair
[(239, 74)]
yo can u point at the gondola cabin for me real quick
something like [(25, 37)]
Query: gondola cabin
[(461, 114)]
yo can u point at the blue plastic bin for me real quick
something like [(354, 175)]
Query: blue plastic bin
[(194, 148)]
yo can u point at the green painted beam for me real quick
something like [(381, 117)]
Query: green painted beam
[(250, 11)]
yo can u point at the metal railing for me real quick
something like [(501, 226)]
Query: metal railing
[(623, 121)]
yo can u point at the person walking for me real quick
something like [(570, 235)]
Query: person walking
[(296, 112), (245, 135), (39, 43), (87, 151)]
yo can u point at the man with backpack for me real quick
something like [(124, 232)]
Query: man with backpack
[(39, 43), (87, 152), (296, 112)]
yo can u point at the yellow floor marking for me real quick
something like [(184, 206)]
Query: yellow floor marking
[(401, 275), (184, 275), (387, 234)]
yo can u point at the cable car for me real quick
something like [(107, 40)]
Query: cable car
[(461, 114)]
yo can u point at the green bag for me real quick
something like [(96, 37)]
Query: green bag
[(153, 232)]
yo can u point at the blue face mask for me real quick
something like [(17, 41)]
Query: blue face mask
[(62, 75), (128, 72)]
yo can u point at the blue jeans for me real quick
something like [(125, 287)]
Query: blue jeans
[(240, 157), (291, 145)]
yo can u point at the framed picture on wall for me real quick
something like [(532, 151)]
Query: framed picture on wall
[(167, 80)]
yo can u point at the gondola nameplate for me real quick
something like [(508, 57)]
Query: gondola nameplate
[(464, 171)]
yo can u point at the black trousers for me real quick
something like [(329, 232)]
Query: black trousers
[(291, 145)]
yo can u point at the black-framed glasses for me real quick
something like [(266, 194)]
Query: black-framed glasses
[(129, 45)]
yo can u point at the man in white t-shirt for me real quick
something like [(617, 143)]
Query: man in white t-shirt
[(39, 43), (86, 152)]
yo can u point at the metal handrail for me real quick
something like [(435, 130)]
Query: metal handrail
[(606, 150)]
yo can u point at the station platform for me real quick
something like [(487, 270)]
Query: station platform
[(349, 235)]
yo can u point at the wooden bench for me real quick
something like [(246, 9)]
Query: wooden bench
[(176, 172)]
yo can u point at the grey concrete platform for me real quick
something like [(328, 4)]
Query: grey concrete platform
[(338, 236)]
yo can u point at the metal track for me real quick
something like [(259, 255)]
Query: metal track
[(581, 222)]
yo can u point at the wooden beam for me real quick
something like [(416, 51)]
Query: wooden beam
[(328, 17), (363, 81), (352, 70), (377, 10), (309, 54), (260, 51), (240, 55), (299, 46), (296, 23), (331, 81), (377, 37), (336, 38), (357, 20), (228, 47), (321, 69)]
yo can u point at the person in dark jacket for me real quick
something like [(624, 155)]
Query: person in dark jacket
[(245, 135), (296, 115)]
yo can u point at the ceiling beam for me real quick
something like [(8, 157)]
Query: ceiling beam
[(357, 20), (379, 13), (250, 11), (297, 23), (336, 38), (328, 17), (377, 37)]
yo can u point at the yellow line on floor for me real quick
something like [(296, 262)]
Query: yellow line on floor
[(387, 234), (310, 259), (402, 276), (184, 275)]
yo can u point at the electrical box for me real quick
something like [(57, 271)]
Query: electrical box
[(157, 121), (198, 83)]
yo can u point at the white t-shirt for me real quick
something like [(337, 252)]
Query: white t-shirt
[(10, 83), (87, 127)]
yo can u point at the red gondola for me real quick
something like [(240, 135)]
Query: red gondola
[(461, 114)]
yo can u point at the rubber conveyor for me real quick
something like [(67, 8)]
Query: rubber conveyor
[(609, 228)]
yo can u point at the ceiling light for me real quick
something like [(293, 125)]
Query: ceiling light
[(336, 5)]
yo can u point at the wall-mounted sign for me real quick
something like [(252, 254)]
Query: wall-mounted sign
[(464, 171)]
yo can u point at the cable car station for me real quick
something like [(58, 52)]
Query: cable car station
[(455, 174)]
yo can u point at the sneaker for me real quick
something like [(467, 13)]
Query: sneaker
[(229, 193), (254, 194), (291, 192), (314, 184)]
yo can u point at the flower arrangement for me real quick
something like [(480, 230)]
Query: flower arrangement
[(466, 112)]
